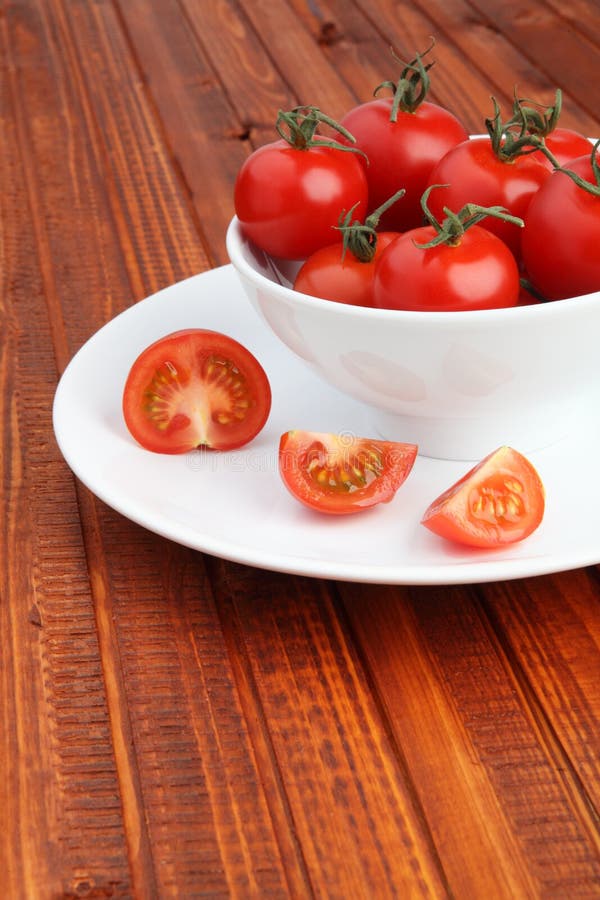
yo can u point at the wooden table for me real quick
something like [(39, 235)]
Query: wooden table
[(174, 725)]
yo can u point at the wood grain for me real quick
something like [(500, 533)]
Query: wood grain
[(556, 655), (560, 51), (453, 704), (60, 792), (205, 804), (177, 726), (351, 802)]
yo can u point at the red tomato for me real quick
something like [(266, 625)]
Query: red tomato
[(289, 193), (195, 388), (500, 501), (565, 145), (472, 173), (402, 154), (479, 272), (334, 275), (561, 237), (340, 474)]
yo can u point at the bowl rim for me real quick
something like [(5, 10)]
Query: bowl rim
[(235, 240)]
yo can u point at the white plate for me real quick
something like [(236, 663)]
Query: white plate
[(234, 504)]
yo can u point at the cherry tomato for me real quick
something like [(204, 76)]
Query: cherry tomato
[(499, 501), (565, 145), (334, 275), (340, 474), (288, 194), (479, 272), (195, 388), (561, 236), (473, 173), (401, 154)]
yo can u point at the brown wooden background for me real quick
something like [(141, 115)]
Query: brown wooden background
[(172, 725)]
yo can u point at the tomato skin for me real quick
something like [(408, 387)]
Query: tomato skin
[(195, 388), (565, 145), (401, 154), (320, 470), (289, 201), (499, 501), (478, 273), (561, 236), (472, 173), (526, 298), (345, 279)]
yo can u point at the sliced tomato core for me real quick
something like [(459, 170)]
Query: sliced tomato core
[(194, 388), (499, 501), (163, 394), (341, 474), (342, 468)]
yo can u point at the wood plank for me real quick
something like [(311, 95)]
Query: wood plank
[(479, 39), (219, 118), (251, 83), (186, 776), (59, 789), (349, 795), (565, 55), (150, 221), (551, 630), (580, 15), (207, 138), (506, 825), (210, 812), (299, 57)]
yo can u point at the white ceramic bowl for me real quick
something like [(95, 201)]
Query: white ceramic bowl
[(458, 384)]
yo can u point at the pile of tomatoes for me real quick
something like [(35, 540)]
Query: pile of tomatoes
[(397, 207), (401, 209)]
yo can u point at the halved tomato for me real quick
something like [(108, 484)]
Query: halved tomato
[(499, 501), (341, 473), (195, 388)]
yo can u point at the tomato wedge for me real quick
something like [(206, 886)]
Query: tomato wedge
[(195, 388), (340, 473), (500, 501)]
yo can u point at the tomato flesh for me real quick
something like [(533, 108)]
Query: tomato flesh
[(499, 501), (341, 474), (195, 388)]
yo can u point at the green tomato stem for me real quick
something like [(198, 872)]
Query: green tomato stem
[(298, 127), (452, 228), (361, 238), (512, 139), (534, 119), (412, 87)]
